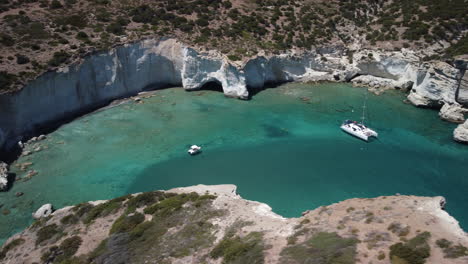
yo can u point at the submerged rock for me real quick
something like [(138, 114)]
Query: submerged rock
[(43, 211), (460, 134), (3, 176)]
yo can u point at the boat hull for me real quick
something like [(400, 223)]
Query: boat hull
[(357, 134)]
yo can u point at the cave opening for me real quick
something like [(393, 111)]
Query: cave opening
[(214, 85)]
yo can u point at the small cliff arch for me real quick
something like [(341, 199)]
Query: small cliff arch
[(212, 85)]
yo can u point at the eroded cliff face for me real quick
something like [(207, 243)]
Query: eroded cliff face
[(152, 64), (213, 224)]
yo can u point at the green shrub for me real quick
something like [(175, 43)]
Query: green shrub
[(70, 245), (234, 58), (323, 247), (78, 20), (55, 4), (21, 59), (6, 39), (6, 80), (10, 246), (46, 233), (247, 249), (69, 219), (144, 199), (127, 223), (82, 35), (451, 251), (140, 229), (115, 28), (82, 209), (415, 251), (101, 210), (59, 58)]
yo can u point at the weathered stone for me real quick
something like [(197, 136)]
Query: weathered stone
[(460, 134), (43, 211), (453, 113), (3, 176)]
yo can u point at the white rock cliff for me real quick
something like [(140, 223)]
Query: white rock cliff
[(151, 64)]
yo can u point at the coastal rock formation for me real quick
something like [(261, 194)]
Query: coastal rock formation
[(460, 134), (453, 113), (3, 176), (436, 83), (211, 224), (151, 64), (43, 211)]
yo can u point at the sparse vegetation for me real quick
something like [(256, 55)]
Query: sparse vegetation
[(191, 229), (64, 252), (451, 251), (415, 251), (46, 233), (10, 246), (236, 249), (127, 223), (322, 248), (102, 210)]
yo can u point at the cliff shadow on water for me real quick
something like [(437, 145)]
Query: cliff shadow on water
[(253, 91)]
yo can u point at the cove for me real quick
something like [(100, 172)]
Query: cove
[(284, 147)]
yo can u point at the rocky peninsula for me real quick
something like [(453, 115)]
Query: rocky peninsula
[(213, 224)]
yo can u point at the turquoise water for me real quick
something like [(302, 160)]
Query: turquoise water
[(278, 148)]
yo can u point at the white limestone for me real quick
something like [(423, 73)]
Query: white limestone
[(3, 176), (150, 64), (43, 211), (453, 113), (461, 133)]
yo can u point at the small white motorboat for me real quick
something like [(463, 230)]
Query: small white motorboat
[(194, 150), (358, 130)]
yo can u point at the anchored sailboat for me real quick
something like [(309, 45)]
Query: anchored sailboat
[(357, 129)]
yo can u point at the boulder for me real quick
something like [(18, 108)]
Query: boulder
[(460, 134), (3, 176), (43, 211), (453, 113)]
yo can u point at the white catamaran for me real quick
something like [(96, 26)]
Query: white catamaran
[(357, 129)]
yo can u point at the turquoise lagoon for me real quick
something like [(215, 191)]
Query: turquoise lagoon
[(284, 147)]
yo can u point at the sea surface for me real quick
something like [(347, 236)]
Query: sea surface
[(284, 148)]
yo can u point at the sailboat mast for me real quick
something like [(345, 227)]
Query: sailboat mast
[(364, 109)]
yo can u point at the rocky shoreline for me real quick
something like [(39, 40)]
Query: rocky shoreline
[(156, 63), (365, 230)]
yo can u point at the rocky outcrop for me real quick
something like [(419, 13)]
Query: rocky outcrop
[(150, 64), (200, 223), (453, 113), (43, 211), (436, 83), (460, 134), (3, 176)]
